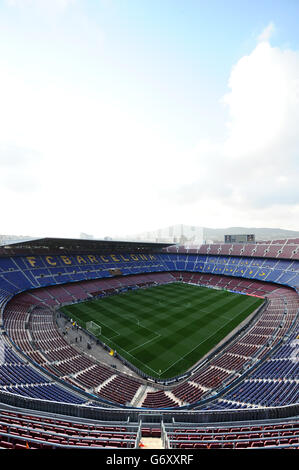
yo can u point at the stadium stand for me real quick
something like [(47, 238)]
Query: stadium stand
[(256, 371), (23, 430), (231, 437)]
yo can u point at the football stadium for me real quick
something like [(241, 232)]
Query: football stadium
[(124, 345)]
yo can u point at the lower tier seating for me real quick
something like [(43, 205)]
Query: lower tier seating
[(244, 436)]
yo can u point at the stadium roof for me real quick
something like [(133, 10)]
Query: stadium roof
[(60, 245)]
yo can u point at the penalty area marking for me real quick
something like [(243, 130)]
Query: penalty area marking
[(141, 345), (128, 352), (114, 336)]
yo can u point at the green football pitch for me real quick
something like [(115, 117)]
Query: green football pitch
[(164, 330)]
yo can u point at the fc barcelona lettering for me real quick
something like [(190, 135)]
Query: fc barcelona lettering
[(51, 261)]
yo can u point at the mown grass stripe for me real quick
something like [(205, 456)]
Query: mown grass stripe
[(165, 329)]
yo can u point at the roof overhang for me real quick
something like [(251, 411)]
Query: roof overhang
[(60, 245)]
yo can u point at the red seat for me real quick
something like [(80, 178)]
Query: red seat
[(228, 445), (20, 446), (186, 446), (156, 432), (242, 445), (200, 445), (146, 432), (54, 441), (271, 442), (6, 445), (257, 444), (215, 445)]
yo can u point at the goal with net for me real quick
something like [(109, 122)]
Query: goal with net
[(94, 328)]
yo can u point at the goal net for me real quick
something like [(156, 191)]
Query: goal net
[(94, 328)]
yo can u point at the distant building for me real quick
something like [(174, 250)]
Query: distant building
[(11, 238), (85, 236), (176, 234), (242, 238)]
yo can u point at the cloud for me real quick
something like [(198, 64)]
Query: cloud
[(19, 169), (62, 4), (69, 150), (267, 33), (256, 168)]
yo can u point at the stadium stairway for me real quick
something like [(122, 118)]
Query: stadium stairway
[(106, 382), (139, 396), (174, 398), (151, 443)]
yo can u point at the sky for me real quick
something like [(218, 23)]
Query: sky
[(125, 116)]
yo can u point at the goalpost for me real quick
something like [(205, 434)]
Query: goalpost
[(94, 328)]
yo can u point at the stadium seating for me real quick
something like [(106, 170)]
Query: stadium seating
[(61, 360), (27, 431), (246, 436), (258, 369)]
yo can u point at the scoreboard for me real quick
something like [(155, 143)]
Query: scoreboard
[(246, 238)]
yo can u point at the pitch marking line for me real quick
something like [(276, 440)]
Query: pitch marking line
[(104, 324), (144, 365), (111, 337), (141, 345), (128, 352), (182, 357), (239, 313)]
